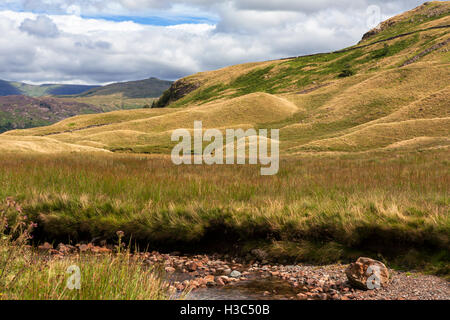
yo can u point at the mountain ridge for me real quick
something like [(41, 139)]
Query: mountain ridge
[(147, 88)]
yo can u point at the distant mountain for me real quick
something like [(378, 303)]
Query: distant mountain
[(20, 112), (19, 88), (149, 88), (25, 106), (7, 89), (69, 89)]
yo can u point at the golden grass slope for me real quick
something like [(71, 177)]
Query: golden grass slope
[(382, 135), (13, 144), (150, 127)]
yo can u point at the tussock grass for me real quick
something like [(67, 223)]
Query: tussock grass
[(26, 274), (368, 203), (31, 144)]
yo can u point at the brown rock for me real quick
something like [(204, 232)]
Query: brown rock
[(84, 248), (209, 279), (170, 269), (302, 296), (45, 247), (100, 250), (192, 266), (367, 274)]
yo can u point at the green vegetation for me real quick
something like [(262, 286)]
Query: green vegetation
[(26, 274), (149, 88), (363, 204), (298, 73), (49, 89), (10, 121), (414, 21)]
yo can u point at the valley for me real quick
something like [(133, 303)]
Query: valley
[(364, 168)]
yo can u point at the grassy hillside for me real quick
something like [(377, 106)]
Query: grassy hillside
[(112, 102), (394, 80), (364, 141), (6, 89), (47, 89), (25, 112), (149, 88)]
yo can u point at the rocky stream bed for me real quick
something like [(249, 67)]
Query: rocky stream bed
[(222, 277)]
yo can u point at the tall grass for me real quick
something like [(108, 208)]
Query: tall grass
[(366, 202), (29, 275)]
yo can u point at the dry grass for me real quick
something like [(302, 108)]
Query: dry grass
[(26, 274), (31, 144), (382, 135), (364, 203), (114, 102)]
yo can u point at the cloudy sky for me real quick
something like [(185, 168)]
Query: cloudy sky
[(103, 41)]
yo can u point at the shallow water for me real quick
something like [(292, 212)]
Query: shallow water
[(256, 289)]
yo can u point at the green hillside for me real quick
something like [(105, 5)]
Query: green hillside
[(47, 89), (149, 88)]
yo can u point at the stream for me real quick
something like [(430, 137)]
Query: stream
[(254, 288)]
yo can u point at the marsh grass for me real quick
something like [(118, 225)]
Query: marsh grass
[(26, 274), (375, 203)]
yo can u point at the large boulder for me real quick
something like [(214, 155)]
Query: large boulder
[(367, 274)]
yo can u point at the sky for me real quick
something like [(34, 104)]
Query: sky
[(104, 41)]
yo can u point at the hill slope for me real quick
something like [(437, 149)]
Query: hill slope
[(149, 88), (389, 91), (7, 89), (18, 112), (19, 88), (21, 104)]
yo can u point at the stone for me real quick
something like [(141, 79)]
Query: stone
[(367, 274), (45, 247), (220, 282), (192, 266), (170, 269), (209, 279), (235, 274), (302, 296), (84, 248), (194, 284), (63, 248), (100, 250)]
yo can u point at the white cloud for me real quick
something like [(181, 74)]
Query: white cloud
[(57, 44)]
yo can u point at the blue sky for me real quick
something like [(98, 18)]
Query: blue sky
[(156, 20), (100, 41)]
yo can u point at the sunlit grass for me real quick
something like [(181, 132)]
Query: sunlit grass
[(26, 274), (361, 202)]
